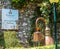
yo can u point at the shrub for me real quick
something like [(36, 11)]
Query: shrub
[(10, 39), (15, 48), (41, 47)]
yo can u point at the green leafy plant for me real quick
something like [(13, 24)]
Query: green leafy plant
[(23, 3), (46, 10), (18, 3), (41, 47), (11, 39)]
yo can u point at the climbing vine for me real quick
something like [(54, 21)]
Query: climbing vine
[(23, 3)]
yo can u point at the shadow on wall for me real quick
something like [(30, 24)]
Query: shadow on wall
[(2, 42)]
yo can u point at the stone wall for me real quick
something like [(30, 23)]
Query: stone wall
[(24, 24), (5, 4)]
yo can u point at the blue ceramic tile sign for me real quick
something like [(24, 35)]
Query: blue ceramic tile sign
[(9, 19)]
